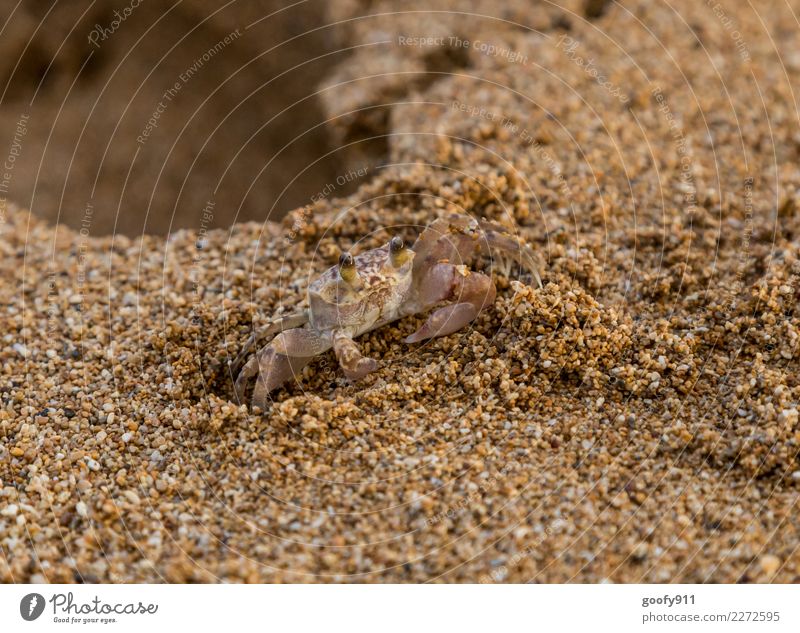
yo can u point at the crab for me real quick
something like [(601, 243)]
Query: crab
[(370, 290)]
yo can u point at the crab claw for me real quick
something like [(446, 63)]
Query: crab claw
[(444, 321), (469, 292)]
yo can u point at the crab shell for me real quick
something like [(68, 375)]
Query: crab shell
[(375, 296)]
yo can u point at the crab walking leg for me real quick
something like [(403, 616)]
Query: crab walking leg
[(301, 342), (459, 238), (354, 365), (271, 329), (470, 293), (273, 370), (245, 374), (501, 241), (288, 353)]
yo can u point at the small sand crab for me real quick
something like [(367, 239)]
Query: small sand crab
[(367, 291)]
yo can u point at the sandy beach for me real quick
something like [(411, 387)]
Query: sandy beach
[(634, 420)]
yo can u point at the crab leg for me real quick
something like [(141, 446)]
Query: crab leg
[(273, 370), (498, 238), (269, 330), (299, 342), (459, 238), (354, 365), (284, 357), (470, 293)]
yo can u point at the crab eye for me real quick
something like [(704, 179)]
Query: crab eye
[(347, 267), (397, 244), (346, 260), (398, 253)]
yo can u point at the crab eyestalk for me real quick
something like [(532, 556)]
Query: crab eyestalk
[(398, 253), (347, 268)]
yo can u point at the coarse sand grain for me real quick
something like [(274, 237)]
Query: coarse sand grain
[(636, 419)]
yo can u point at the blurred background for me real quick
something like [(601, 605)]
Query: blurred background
[(139, 116), (140, 112)]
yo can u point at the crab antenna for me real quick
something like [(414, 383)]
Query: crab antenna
[(347, 268), (398, 253)]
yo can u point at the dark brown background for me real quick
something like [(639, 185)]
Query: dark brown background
[(87, 105)]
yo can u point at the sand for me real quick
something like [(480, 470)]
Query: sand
[(636, 419)]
